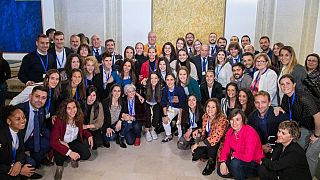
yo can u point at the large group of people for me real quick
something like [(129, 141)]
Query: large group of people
[(239, 109)]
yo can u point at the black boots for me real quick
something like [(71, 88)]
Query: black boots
[(121, 142), (210, 167)]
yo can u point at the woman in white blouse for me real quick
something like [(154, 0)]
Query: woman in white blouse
[(223, 68)]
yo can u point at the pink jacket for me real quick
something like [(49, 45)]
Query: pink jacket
[(245, 146)]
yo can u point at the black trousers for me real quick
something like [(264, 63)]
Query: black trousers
[(97, 138), (206, 152), (266, 174), (154, 118), (82, 148)]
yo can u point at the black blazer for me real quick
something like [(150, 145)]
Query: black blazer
[(185, 121), (53, 52), (216, 92), (42, 116), (140, 108), (98, 83), (197, 62), (291, 164), (6, 152)]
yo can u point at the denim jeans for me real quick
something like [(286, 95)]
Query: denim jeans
[(3, 93), (239, 169)]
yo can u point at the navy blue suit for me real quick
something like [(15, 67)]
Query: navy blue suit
[(197, 62)]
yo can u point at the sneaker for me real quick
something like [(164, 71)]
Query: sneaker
[(148, 136), (167, 139), (154, 135), (74, 163), (137, 142)]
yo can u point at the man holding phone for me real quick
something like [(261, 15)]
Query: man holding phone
[(265, 122)]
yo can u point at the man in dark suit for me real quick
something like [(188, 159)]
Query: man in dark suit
[(210, 88), (74, 43), (116, 57), (96, 49), (12, 159), (203, 62), (36, 134), (35, 65), (59, 52)]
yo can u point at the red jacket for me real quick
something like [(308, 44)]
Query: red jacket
[(145, 69), (57, 134)]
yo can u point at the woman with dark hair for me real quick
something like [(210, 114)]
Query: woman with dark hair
[(180, 44), (113, 127), (288, 158), (73, 62), (126, 74), (5, 74), (74, 88), (129, 53), (223, 69), (231, 100), (183, 60), (162, 70), (90, 69), (169, 52), (94, 117), (191, 120), (12, 159), (275, 61), (312, 65), (189, 84), (153, 106), (214, 126), (68, 136), (149, 66), (242, 150), (84, 50), (246, 101), (173, 101)]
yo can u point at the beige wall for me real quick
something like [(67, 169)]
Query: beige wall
[(174, 18)]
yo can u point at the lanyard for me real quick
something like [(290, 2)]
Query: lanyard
[(203, 66), (77, 95), (154, 67), (14, 149), (169, 95), (48, 103), (45, 67), (291, 105), (58, 60), (131, 107), (218, 71), (113, 59), (208, 128), (107, 75), (192, 118), (257, 80), (236, 59)]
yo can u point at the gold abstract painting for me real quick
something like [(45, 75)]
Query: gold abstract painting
[(172, 19)]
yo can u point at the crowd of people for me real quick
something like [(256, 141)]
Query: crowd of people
[(247, 113)]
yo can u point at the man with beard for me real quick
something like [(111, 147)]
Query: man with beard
[(74, 43), (116, 58), (213, 47), (265, 46), (190, 39), (242, 80)]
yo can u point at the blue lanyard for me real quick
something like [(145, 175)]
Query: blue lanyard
[(14, 149), (45, 67), (291, 105), (77, 95), (192, 118), (107, 75), (236, 59), (131, 107), (154, 67), (48, 103), (208, 128), (218, 70), (205, 64), (58, 60), (169, 95)]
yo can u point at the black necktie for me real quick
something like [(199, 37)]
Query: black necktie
[(36, 132), (212, 50)]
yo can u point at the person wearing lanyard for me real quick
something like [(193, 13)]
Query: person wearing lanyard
[(203, 62), (234, 50), (210, 88), (265, 122), (134, 113), (126, 75), (223, 68), (35, 64), (184, 60), (116, 58), (59, 51), (305, 109), (90, 69), (148, 66), (173, 100), (191, 120), (208, 138), (12, 157), (265, 78)]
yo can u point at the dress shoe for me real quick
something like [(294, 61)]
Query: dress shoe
[(35, 176), (46, 162), (106, 144), (122, 143), (210, 167)]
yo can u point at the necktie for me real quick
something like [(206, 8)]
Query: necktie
[(204, 65), (212, 51), (96, 53), (36, 132), (190, 51)]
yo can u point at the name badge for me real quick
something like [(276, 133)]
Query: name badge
[(44, 75), (203, 73), (170, 109), (48, 116)]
